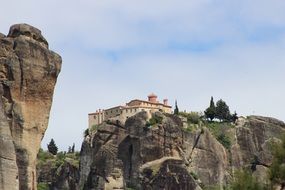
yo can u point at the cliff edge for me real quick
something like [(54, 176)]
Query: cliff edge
[(28, 74)]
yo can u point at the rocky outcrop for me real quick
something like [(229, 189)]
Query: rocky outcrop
[(28, 73), (165, 156), (136, 156), (56, 175)]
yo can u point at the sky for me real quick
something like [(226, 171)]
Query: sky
[(114, 51)]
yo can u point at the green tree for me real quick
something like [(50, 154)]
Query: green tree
[(222, 111), (176, 110), (244, 179), (234, 117), (277, 168), (73, 148), (52, 148), (210, 112)]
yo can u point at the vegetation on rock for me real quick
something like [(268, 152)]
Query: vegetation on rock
[(243, 179), (154, 120), (277, 168), (43, 186), (50, 168)]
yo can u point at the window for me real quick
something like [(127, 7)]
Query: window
[(94, 116)]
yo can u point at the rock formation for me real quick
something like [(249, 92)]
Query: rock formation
[(165, 156), (28, 73)]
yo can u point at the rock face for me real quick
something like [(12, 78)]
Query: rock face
[(137, 156), (28, 73), (164, 156), (66, 176)]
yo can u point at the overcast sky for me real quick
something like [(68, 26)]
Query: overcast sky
[(117, 50)]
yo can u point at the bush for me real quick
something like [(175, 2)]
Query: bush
[(194, 175), (154, 120), (42, 186), (44, 155), (224, 140), (193, 117), (243, 179), (94, 128), (188, 129)]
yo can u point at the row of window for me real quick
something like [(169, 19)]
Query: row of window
[(131, 110)]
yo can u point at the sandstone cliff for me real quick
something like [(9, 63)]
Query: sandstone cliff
[(166, 156), (28, 73)]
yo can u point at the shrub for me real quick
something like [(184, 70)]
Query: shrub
[(243, 179), (224, 140), (154, 120), (194, 175), (193, 117), (94, 128), (44, 155), (42, 186)]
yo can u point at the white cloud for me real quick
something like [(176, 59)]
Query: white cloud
[(188, 50)]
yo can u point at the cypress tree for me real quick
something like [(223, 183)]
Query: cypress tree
[(176, 110), (210, 112), (52, 148), (73, 148)]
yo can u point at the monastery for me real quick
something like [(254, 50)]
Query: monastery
[(122, 113)]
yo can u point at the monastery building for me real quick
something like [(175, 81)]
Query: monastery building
[(122, 113)]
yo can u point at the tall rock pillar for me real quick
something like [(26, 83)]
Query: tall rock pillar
[(28, 74)]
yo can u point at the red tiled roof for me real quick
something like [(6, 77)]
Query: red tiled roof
[(156, 103)]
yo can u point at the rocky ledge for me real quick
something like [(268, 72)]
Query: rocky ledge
[(28, 73)]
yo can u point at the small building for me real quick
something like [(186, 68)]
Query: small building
[(122, 113)]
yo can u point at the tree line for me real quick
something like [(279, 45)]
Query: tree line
[(52, 148), (219, 110)]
